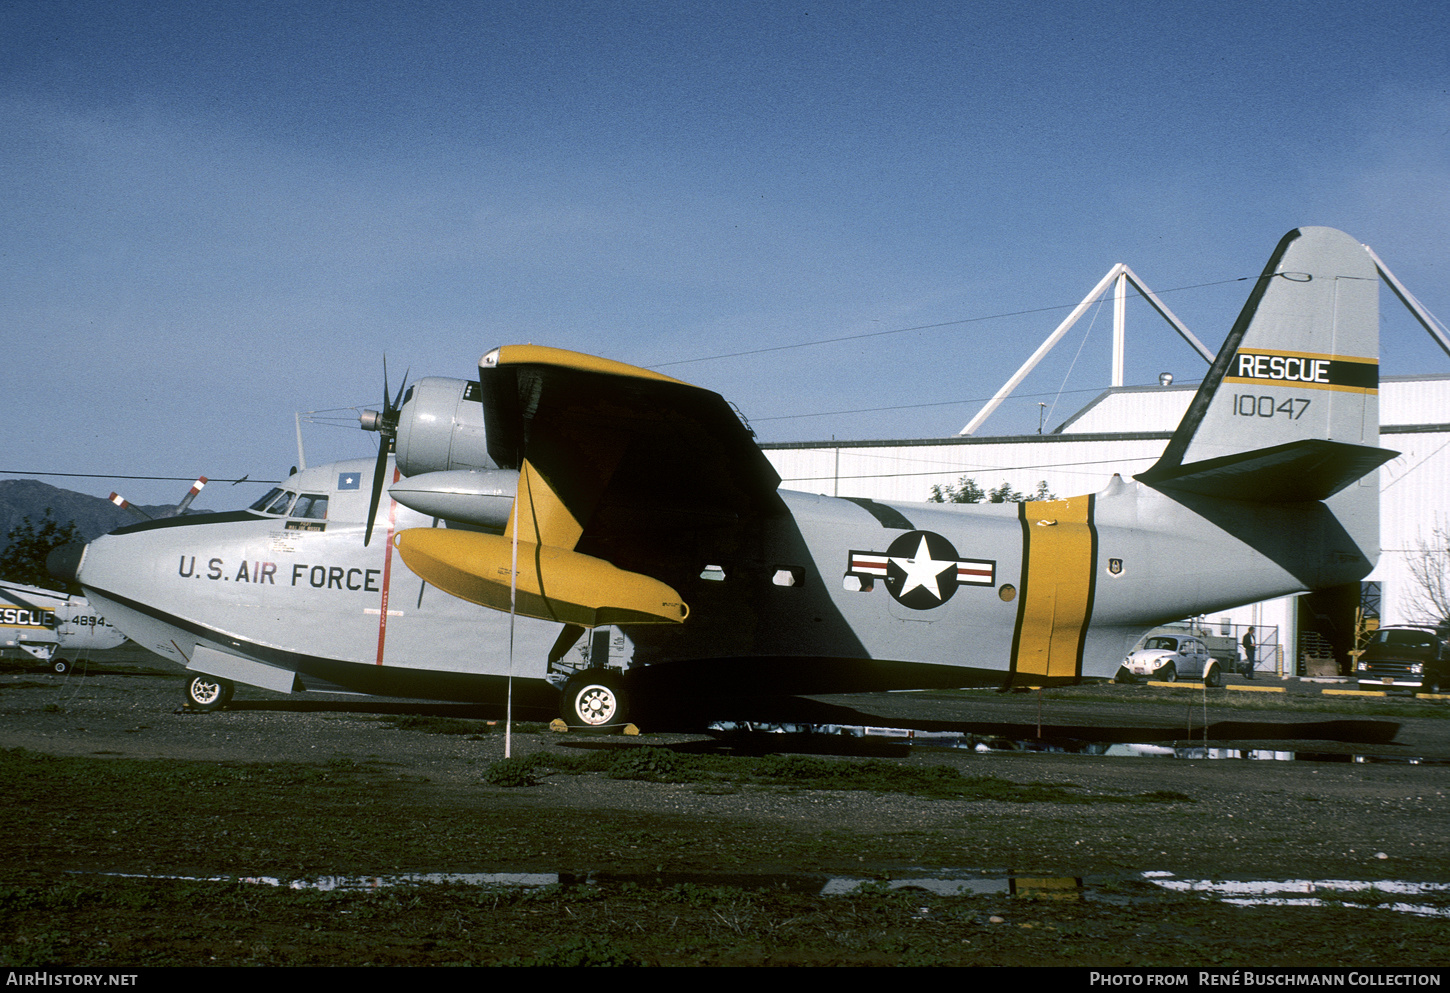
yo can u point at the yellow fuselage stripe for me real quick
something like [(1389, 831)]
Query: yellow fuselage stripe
[(1060, 547)]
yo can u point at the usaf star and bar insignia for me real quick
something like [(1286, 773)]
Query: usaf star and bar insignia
[(921, 570)]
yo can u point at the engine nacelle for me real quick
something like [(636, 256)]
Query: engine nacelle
[(484, 497), (440, 427)]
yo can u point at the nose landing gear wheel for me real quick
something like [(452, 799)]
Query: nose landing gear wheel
[(207, 693), (59, 666), (595, 700)]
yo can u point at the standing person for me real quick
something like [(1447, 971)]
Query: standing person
[(1249, 645)]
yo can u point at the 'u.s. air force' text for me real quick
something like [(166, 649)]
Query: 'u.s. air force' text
[(321, 577)]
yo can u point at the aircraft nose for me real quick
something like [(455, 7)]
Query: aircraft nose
[(64, 561)]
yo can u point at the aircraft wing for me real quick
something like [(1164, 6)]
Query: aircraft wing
[(626, 478), (620, 444)]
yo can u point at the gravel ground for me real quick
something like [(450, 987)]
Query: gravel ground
[(420, 767), (1245, 819)]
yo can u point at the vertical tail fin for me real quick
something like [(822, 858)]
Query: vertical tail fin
[(1289, 410)]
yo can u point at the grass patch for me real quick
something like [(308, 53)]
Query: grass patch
[(662, 765), (429, 724), (122, 922)]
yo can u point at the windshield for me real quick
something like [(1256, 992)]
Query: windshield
[(275, 502), (1161, 644), (1403, 639)]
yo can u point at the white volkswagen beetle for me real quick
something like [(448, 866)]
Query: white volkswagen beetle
[(1170, 656)]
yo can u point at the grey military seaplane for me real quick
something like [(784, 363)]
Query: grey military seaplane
[(628, 521)]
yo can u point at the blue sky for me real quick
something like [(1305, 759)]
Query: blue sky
[(219, 214)]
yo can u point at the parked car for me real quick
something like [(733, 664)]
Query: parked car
[(1171, 656), (1404, 657)]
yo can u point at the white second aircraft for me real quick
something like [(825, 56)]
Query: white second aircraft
[(42, 623)]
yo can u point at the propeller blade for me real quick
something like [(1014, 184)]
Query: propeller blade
[(196, 488), (386, 425), (398, 403), (378, 470), (125, 504)]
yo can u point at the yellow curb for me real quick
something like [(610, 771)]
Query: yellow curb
[(1257, 689), (1432, 696), (1355, 692)]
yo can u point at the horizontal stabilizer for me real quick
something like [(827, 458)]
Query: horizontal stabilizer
[(1296, 472), (553, 584)]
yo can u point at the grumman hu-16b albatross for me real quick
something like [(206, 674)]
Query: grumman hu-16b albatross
[(586, 495), (43, 623)]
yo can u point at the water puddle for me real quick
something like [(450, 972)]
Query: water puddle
[(1382, 894), (967, 741), (1396, 896)]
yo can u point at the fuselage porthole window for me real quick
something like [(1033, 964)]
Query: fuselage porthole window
[(788, 575)]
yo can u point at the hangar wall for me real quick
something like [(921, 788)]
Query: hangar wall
[(1124, 431)]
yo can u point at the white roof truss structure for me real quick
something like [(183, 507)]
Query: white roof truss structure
[(1119, 276)]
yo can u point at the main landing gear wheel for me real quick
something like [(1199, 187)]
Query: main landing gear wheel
[(208, 693), (60, 666), (595, 700)]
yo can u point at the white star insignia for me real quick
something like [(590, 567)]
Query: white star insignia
[(922, 570)]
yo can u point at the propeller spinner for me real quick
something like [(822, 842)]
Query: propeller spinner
[(385, 424)]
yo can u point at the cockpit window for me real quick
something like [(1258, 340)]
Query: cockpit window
[(275, 502), (262, 503), (311, 506)]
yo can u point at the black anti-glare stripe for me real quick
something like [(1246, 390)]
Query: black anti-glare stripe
[(191, 520), (889, 517)]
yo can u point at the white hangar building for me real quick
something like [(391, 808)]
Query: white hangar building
[(1124, 431)]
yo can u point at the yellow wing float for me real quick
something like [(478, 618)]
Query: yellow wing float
[(644, 457)]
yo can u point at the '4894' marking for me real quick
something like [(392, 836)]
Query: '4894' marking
[(1248, 405)]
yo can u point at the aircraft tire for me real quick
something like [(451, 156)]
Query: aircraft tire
[(1212, 677), (60, 666), (207, 693), (595, 700)]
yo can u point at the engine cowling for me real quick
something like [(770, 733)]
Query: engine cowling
[(483, 497), (440, 428)]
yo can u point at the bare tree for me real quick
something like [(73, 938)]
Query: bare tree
[(1430, 566)]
